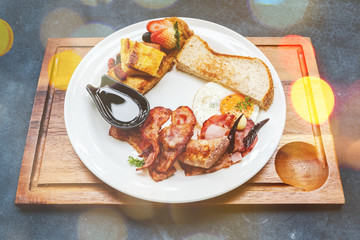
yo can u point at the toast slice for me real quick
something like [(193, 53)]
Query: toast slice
[(248, 76), (204, 153)]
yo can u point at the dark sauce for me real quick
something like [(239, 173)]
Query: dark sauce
[(122, 107)]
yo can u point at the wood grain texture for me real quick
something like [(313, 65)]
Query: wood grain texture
[(51, 172)]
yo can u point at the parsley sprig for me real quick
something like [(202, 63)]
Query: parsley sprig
[(136, 162), (243, 105)]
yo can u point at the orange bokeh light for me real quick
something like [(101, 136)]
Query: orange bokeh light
[(323, 97), (288, 55)]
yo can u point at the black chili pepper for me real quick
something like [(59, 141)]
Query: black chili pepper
[(250, 137), (231, 135)]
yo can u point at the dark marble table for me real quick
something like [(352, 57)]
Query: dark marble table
[(333, 27)]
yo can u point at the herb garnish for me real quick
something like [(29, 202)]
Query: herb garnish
[(177, 35), (136, 161), (243, 105)]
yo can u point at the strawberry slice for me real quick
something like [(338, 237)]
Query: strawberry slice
[(156, 25), (165, 38)]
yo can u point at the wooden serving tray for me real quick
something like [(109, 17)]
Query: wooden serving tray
[(52, 173)]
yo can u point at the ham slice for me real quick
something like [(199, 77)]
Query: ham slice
[(224, 121), (215, 131)]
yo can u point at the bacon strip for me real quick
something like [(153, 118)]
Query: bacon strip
[(145, 138), (156, 176), (132, 136), (175, 137), (150, 131)]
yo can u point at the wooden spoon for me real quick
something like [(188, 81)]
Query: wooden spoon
[(301, 164), (297, 164)]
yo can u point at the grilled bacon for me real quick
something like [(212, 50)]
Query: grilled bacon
[(150, 131), (162, 147), (215, 127), (175, 137), (145, 138), (156, 176)]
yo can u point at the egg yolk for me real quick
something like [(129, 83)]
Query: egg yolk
[(236, 104)]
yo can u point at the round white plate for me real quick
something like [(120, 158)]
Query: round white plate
[(107, 157)]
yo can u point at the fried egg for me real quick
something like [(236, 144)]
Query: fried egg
[(214, 99)]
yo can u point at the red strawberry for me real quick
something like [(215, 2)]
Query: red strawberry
[(156, 25), (165, 38)]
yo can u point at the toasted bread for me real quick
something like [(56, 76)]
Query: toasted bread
[(126, 45), (248, 76), (143, 84), (131, 53), (204, 153), (145, 58), (142, 81)]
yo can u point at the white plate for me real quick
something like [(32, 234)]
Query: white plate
[(107, 157)]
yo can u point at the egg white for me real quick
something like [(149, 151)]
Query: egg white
[(207, 101)]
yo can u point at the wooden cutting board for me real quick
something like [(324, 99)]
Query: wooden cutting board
[(52, 173)]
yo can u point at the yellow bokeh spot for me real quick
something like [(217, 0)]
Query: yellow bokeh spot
[(6, 37), (61, 67), (323, 97)]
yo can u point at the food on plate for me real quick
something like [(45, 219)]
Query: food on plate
[(136, 161), (248, 76), (165, 32), (219, 129), (224, 162), (207, 100), (141, 65), (239, 104), (145, 58), (156, 25), (126, 47), (144, 139), (174, 139), (204, 153), (160, 147), (216, 128), (214, 99), (252, 134)]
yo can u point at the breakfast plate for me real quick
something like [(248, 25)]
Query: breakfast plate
[(107, 157)]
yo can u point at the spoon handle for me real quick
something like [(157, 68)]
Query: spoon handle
[(319, 146)]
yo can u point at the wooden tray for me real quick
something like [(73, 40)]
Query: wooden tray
[(52, 173)]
